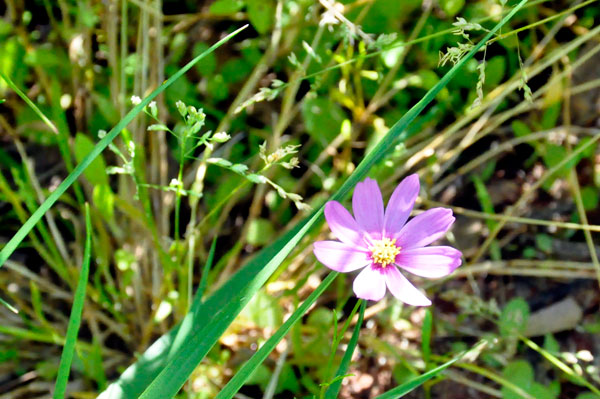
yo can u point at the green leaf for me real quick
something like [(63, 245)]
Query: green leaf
[(452, 7), (334, 388), (323, 119), (261, 14), (543, 242), (208, 65), (589, 197), (514, 316), (219, 310), (520, 128), (495, 69), (520, 373), (66, 358), (426, 336), (14, 242), (226, 7), (96, 171)]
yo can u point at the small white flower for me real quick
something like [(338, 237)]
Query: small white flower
[(135, 100)]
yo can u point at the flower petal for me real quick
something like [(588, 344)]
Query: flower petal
[(403, 290), (339, 256), (431, 262), (369, 284), (367, 205), (425, 228), (400, 204), (343, 225)]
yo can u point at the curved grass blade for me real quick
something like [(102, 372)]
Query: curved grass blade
[(407, 387), (248, 368), (75, 319), (217, 313), (14, 242), (416, 382), (334, 389), (188, 322), (24, 97)]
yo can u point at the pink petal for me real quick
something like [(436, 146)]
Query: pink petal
[(367, 205), (403, 290), (431, 262), (400, 204), (343, 225), (339, 256), (425, 228), (369, 284)]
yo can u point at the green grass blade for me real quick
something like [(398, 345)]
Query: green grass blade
[(9, 306), (225, 304), (416, 382), (248, 368), (405, 388), (205, 271), (34, 107), (188, 322), (334, 389), (75, 319), (14, 242)]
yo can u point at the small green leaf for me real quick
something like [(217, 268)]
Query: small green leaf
[(520, 373), (208, 65), (96, 172), (544, 242), (323, 119), (514, 316), (589, 196), (261, 14), (226, 7), (551, 344), (520, 128), (452, 7)]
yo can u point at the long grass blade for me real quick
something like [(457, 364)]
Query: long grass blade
[(248, 368), (225, 304), (334, 389), (24, 97), (75, 319), (416, 382), (14, 242)]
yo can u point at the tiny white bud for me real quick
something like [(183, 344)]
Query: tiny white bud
[(135, 100)]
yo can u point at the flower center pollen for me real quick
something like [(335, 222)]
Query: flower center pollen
[(384, 251)]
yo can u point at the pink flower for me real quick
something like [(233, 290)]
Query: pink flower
[(381, 241)]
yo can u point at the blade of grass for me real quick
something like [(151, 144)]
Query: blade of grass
[(14, 242), (34, 107), (334, 389), (188, 322), (248, 368), (409, 386), (416, 382), (75, 319), (225, 304)]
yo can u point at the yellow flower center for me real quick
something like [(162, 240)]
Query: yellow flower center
[(384, 251)]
